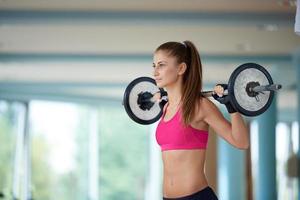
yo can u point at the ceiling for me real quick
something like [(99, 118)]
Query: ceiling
[(222, 27), (111, 42), (153, 5)]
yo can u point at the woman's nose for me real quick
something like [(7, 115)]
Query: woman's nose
[(155, 72)]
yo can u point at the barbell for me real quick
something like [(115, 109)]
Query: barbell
[(250, 91)]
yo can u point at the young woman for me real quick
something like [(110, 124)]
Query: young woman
[(182, 132)]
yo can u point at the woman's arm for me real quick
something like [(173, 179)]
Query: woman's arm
[(239, 130), (235, 133)]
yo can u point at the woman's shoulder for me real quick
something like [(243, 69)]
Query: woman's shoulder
[(205, 101), (205, 106)]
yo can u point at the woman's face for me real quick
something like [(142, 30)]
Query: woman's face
[(165, 69)]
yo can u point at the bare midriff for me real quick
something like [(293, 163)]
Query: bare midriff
[(183, 172)]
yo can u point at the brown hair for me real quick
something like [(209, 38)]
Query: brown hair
[(192, 78)]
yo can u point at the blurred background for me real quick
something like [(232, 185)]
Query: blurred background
[(64, 66)]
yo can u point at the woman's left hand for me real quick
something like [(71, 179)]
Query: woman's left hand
[(219, 90)]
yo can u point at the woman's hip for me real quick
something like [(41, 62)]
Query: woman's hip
[(207, 193)]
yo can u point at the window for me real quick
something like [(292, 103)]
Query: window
[(81, 152), (124, 155), (286, 147), (9, 132)]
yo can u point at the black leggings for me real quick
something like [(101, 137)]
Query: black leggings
[(205, 194)]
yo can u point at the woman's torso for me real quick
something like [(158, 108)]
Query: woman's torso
[(183, 170)]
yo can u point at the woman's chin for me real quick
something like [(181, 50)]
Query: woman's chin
[(159, 85)]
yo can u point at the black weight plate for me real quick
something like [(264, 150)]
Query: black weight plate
[(242, 102), (138, 85)]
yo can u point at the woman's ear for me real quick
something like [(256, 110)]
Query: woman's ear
[(182, 68)]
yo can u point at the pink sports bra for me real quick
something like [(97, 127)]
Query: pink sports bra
[(171, 134)]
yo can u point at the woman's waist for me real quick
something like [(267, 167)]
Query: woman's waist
[(183, 185), (176, 161), (183, 170), (177, 175)]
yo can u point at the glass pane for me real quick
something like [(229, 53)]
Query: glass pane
[(286, 161), (8, 133), (59, 143), (282, 135), (124, 153), (81, 152)]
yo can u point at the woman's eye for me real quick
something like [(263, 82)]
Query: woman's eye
[(159, 65)]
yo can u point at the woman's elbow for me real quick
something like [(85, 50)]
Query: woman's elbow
[(244, 143), (243, 146)]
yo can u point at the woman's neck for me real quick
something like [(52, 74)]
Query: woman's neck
[(174, 96)]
